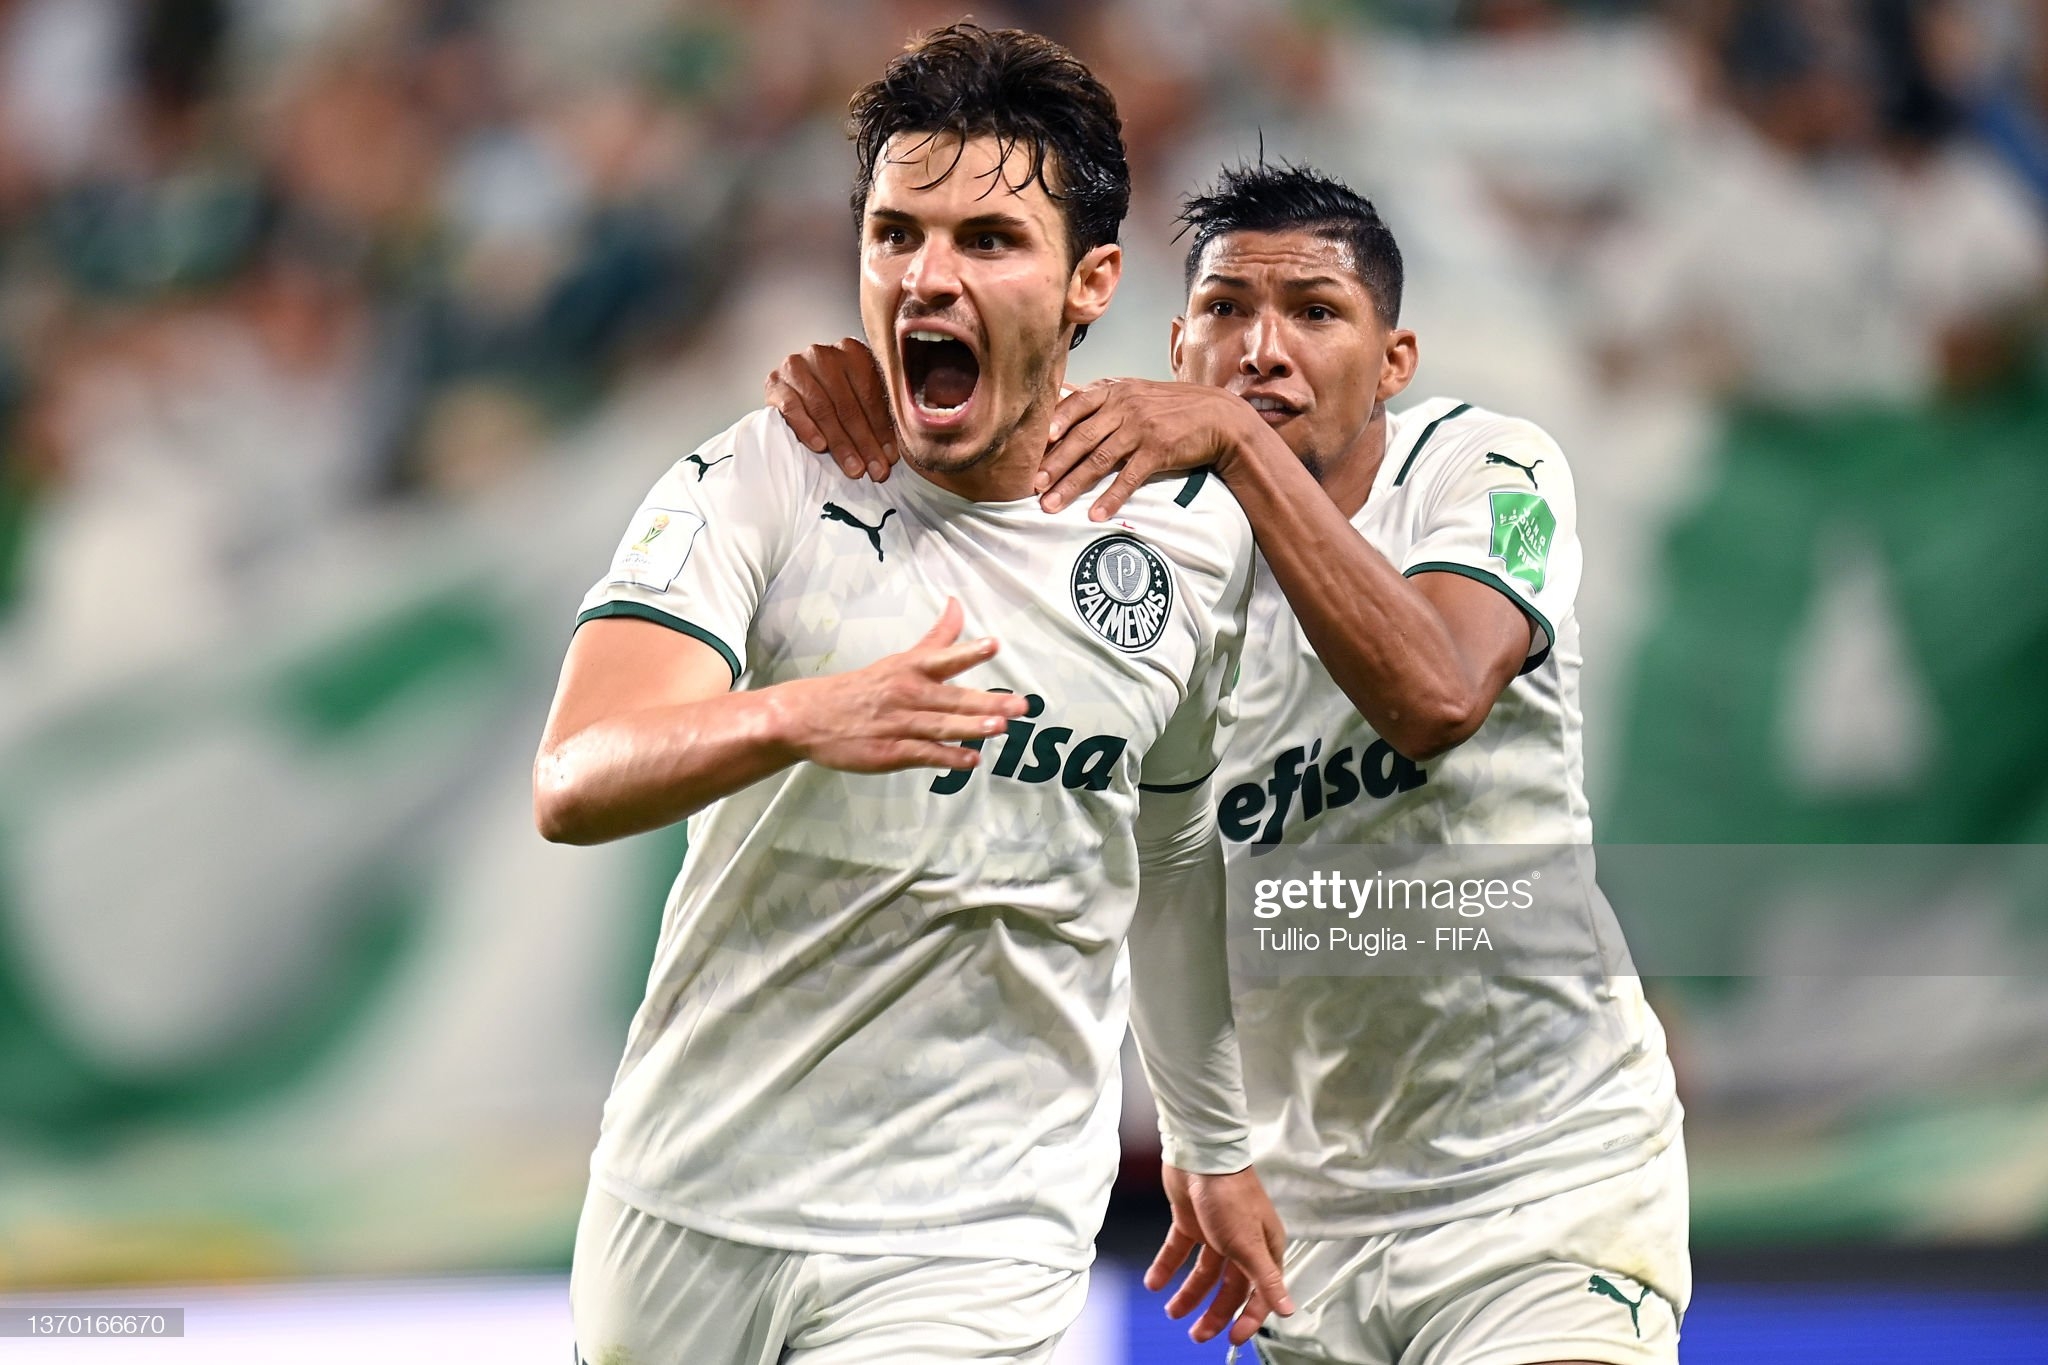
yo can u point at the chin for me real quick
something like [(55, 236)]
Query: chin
[(955, 456)]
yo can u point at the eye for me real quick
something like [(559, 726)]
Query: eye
[(892, 235), (1222, 308), (988, 241), (1317, 312)]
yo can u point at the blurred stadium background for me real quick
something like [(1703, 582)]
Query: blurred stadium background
[(338, 336)]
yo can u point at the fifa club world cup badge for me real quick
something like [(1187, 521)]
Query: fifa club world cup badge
[(1123, 591)]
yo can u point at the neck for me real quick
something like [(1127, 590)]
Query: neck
[(1007, 473), (1348, 478)]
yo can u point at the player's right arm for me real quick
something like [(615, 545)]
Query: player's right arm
[(645, 730)]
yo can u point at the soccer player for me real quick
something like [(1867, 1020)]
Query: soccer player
[(868, 1111), (1485, 1170)]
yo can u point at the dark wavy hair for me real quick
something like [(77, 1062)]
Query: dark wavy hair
[(1023, 90), (1258, 197)]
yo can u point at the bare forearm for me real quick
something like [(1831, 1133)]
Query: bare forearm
[(1381, 639), (632, 773)]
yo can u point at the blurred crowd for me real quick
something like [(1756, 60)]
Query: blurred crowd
[(264, 263)]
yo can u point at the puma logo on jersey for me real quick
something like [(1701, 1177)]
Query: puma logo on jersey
[(1529, 469), (834, 512), (703, 468), (1600, 1284), (1085, 766), (1259, 812)]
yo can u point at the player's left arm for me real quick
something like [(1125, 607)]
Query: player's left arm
[(1180, 981), (1182, 1019), (1422, 653), (1423, 658)]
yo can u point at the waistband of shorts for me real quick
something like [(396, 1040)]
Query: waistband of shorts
[(1015, 1238)]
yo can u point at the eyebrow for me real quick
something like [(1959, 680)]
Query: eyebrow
[(1298, 286), (979, 222)]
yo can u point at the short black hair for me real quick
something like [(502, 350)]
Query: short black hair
[(1022, 89), (1257, 197)]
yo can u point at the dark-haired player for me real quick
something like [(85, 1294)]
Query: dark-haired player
[(1474, 1170), (867, 1111)]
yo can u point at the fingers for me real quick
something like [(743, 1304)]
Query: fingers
[(1236, 1288), (1081, 403), (1119, 492), (939, 665), (941, 726), (1254, 1250), (896, 755), (1265, 1269), (1067, 456), (844, 377), (947, 628), (949, 700), (807, 380), (1173, 1254), (780, 392), (1250, 1319), (1119, 447), (1196, 1287), (874, 400)]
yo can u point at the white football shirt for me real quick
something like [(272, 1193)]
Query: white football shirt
[(885, 1010), (1392, 1101)]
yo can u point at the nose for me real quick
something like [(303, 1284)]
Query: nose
[(1265, 350), (933, 277)]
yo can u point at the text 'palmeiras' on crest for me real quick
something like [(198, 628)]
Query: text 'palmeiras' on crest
[(1124, 591)]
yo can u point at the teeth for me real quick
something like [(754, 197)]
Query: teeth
[(1270, 405), (929, 336)]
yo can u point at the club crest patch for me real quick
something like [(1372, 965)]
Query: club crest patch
[(1124, 591), (655, 547)]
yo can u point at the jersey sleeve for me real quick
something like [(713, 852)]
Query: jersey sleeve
[(1501, 510), (702, 548), (1192, 744)]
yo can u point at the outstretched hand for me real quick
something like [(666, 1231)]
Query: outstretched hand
[(1229, 1219), (833, 399), (900, 711), (1142, 428)]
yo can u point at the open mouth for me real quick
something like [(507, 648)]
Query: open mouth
[(1274, 410), (940, 371)]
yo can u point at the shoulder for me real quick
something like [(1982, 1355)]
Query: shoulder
[(758, 453), (765, 435), (1444, 441), (1191, 515)]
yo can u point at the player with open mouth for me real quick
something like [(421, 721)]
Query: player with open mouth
[(869, 1111)]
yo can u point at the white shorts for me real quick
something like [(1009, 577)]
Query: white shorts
[(1601, 1273), (646, 1291)]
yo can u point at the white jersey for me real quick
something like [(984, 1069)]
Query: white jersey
[(1391, 1101), (885, 1010)]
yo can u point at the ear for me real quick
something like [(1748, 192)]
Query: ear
[(1093, 282), (1173, 344), (1397, 363)]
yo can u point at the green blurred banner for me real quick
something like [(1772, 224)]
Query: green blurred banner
[(1848, 646)]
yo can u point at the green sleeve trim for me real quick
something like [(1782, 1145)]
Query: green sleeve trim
[(661, 618), (1174, 788), (1423, 440), (1193, 486), (1495, 582)]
